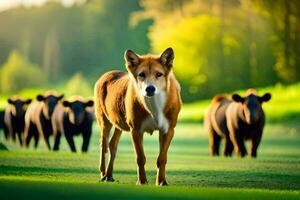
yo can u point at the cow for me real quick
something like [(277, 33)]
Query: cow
[(38, 121), (2, 124), (72, 118), (14, 118), (236, 120)]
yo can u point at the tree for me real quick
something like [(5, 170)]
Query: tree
[(19, 73)]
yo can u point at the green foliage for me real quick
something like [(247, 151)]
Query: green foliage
[(19, 73), (222, 46), (94, 44), (194, 40), (77, 85)]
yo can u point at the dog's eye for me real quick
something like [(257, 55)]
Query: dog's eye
[(158, 74), (142, 75)]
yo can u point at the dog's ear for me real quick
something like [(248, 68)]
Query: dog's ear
[(40, 97), (266, 97), (238, 98), (66, 103), (132, 60), (167, 58)]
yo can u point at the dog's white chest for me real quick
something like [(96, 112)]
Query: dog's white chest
[(156, 119)]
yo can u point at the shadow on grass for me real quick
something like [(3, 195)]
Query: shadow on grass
[(213, 178)]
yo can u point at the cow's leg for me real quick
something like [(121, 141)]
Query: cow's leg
[(36, 138), (137, 140), (254, 143), (13, 136), (241, 149), (228, 148), (28, 133), (113, 146), (6, 133), (57, 141), (214, 142), (20, 138), (70, 140), (86, 140)]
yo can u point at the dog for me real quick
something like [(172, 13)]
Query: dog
[(236, 120), (145, 99)]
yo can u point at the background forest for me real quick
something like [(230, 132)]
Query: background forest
[(220, 46)]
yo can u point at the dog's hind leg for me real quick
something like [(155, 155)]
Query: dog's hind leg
[(105, 127), (113, 146)]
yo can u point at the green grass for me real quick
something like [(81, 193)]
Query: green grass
[(192, 174)]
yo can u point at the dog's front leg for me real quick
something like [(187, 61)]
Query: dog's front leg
[(137, 140), (164, 140)]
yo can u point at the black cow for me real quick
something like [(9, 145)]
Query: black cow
[(38, 118), (236, 120), (14, 118), (73, 119), (2, 124)]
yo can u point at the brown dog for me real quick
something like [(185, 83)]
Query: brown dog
[(144, 100), (236, 120)]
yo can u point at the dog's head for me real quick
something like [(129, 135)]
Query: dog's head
[(150, 72)]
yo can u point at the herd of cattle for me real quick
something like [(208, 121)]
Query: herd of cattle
[(233, 119), (48, 115)]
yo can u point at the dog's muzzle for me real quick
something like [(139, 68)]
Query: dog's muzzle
[(150, 91)]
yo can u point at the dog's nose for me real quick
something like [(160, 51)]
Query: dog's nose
[(150, 90)]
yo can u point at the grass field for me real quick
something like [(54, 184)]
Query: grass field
[(192, 174)]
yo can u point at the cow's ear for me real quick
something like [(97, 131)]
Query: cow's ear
[(90, 103), (167, 58), (40, 97), (265, 98), (28, 101), (132, 60), (10, 101), (238, 98), (66, 103), (60, 97)]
